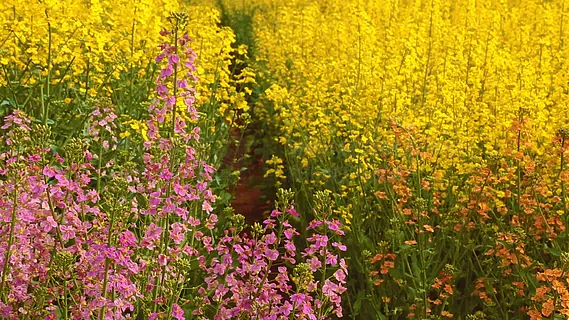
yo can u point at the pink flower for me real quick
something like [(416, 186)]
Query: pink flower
[(314, 224), (331, 259), (177, 232), (314, 263), (151, 236), (67, 232), (206, 206), (173, 59), (292, 211), (335, 226), (166, 72), (162, 259), (128, 239), (154, 316), (340, 246), (48, 224), (340, 275), (271, 254), (177, 312), (270, 238)]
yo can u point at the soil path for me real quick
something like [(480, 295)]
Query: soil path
[(249, 195)]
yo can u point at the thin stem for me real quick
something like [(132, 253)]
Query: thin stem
[(6, 267), (48, 79), (107, 261), (174, 108), (87, 79), (99, 167), (562, 167)]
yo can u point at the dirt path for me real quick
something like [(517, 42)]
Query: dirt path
[(250, 196)]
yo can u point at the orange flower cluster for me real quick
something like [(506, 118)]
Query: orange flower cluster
[(552, 298), (387, 262)]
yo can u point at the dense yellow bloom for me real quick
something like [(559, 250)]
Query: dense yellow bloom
[(461, 75), (76, 49), (91, 44), (93, 41)]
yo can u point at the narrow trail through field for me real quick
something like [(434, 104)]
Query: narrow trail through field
[(251, 197)]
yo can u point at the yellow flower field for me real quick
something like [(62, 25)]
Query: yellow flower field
[(460, 73), (102, 47)]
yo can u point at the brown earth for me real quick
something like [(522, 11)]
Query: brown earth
[(248, 194)]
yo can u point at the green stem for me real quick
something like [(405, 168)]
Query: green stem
[(107, 261), (87, 79), (99, 167), (48, 79), (174, 108), (131, 67), (6, 267), (563, 188), (160, 278), (519, 169)]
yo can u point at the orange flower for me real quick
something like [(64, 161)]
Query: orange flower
[(534, 314), (547, 308), (448, 289), (520, 286), (381, 195), (386, 266), (540, 293), (377, 258), (378, 282)]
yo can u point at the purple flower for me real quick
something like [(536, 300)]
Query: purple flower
[(67, 232), (340, 246), (173, 59), (151, 236), (177, 312), (166, 72), (177, 232)]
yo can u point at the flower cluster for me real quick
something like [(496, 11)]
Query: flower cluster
[(85, 233), (263, 275), (87, 236)]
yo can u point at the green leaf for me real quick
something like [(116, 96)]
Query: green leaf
[(553, 251), (249, 141), (359, 299), (380, 316)]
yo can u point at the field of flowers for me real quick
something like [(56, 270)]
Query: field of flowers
[(413, 152)]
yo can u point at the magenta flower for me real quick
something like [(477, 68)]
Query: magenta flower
[(177, 312), (151, 236)]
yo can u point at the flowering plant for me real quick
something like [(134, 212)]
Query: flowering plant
[(84, 234)]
